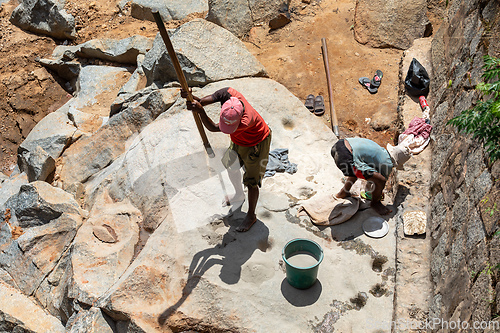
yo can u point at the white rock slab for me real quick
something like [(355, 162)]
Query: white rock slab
[(198, 270)]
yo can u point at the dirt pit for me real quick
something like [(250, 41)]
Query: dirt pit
[(292, 56)]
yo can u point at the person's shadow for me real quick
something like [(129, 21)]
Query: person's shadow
[(235, 248)]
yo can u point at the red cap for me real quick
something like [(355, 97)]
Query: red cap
[(230, 115)]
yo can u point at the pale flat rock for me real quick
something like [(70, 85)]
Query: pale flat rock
[(274, 202), (195, 268), (415, 223), (19, 314)]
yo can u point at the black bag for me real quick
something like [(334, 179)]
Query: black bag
[(417, 80)]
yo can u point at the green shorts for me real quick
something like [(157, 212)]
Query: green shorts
[(254, 159)]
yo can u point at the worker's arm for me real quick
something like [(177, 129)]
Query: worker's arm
[(203, 101), (197, 107)]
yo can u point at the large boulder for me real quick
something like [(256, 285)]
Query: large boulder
[(44, 17), (206, 52), (43, 221), (168, 9), (242, 15), (397, 24), (91, 154), (52, 134)]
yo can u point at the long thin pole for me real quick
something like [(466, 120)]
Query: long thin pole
[(182, 79), (333, 114)]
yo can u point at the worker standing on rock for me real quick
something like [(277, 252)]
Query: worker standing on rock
[(250, 144), (365, 159)]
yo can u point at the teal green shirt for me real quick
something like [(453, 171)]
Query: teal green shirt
[(369, 157)]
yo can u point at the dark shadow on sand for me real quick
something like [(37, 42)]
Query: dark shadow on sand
[(301, 297), (234, 253)]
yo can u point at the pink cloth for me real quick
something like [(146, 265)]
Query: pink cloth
[(418, 127)]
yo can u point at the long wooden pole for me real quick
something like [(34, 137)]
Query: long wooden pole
[(333, 114), (182, 79)]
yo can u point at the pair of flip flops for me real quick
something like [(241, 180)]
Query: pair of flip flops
[(373, 84), (315, 104)]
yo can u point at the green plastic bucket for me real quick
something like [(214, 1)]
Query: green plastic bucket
[(302, 274)]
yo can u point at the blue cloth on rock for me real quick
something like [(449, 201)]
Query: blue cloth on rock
[(278, 162)]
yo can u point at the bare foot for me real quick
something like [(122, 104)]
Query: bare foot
[(247, 223), (237, 199), (380, 208), (343, 194)]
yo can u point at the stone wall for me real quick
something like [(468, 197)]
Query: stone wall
[(465, 187)]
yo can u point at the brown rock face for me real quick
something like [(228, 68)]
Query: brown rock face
[(383, 24)]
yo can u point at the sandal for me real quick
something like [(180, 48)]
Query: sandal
[(309, 104), (377, 79), (319, 105), (365, 82)]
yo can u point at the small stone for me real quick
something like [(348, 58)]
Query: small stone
[(280, 21), (105, 233), (356, 54), (414, 223)]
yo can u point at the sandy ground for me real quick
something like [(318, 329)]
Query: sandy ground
[(292, 56)]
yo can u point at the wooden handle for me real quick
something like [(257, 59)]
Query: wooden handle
[(333, 114), (182, 79)]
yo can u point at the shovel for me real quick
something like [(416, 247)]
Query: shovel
[(333, 114)]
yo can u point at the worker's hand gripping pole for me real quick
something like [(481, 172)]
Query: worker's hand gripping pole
[(182, 79)]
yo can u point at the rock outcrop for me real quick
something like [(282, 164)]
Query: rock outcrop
[(241, 15), (124, 51), (131, 236), (206, 52), (39, 224), (392, 23), (44, 17), (464, 219)]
